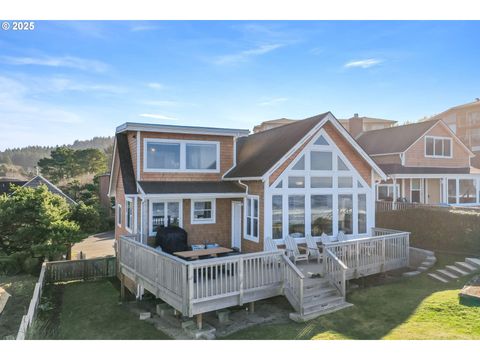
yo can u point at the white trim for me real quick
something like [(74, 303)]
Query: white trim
[(128, 201), (183, 155), (165, 201), (245, 209), (236, 203), (139, 174), (385, 185), (119, 218), (129, 126), (112, 168), (253, 178), (213, 211), (195, 196), (443, 149)]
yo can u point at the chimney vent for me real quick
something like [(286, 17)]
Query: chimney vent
[(477, 99), (355, 115)]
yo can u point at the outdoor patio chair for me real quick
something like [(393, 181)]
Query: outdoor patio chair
[(324, 239), (313, 249), (341, 236), (293, 251), (270, 244)]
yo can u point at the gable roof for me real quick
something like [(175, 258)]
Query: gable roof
[(40, 180), (395, 139), (259, 152), (126, 164)]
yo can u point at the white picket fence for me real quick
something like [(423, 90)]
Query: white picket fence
[(32, 309)]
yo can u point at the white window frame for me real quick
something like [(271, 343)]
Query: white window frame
[(360, 186), (183, 155), (165, 202), (212, 220), (119, 215), (438, 138), (245, 215), (129, 203), (388, 186)]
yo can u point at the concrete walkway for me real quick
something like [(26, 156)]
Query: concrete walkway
[(98, 245)]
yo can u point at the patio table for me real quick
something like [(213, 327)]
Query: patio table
[(202, 252)]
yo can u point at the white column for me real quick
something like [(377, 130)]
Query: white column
[(394, 192)]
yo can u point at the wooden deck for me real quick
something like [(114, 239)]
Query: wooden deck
[(195, 287)]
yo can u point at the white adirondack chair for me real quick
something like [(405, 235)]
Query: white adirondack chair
[(341, 236), (313, 249), (324, 239), (270, 245), (292, 250)]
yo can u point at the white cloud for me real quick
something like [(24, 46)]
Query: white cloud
[(158, 117), (138, 28), (246, 55), (156, 86), (59, 61), (273, 101), (366, 63), (162, 103), (60, 84)]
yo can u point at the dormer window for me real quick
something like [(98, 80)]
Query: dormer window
[(436, 146), (166, 155)]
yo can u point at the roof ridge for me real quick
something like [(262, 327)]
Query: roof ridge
[(399, 126)]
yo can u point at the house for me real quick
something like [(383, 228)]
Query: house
[(358, 124), (426, 163), (39, 180), (307, 179), (464, 120), (6, 185)]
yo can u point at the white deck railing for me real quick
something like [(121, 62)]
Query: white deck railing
[(293, 284), (335, 271)]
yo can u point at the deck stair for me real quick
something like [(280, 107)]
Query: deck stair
[(461, 268), (320, 298)]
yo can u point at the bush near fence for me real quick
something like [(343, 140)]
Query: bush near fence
[(443, 229)]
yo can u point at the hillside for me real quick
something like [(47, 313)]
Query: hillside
[(27, 158)]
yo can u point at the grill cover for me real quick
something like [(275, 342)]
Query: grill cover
[(171, 239)]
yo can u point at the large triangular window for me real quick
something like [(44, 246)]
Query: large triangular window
[(300, 165), (321, 141)]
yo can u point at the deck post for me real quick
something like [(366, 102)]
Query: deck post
[(251, 307), (240, 280), (199, 321), (122, 286)]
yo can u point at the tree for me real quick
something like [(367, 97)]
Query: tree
[(61, 165), (36, 222), (91, 161)]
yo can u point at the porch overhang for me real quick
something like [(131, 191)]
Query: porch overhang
[(191, 189)]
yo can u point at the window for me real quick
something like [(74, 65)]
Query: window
[(296, 216), (296, 182), (416, 190), (164, 213), (341, 165), (385, 192), (280, 185), (468, 191), (277, 217), (321, 182), (438, 146), (119, 215), (362, 213), (321, 214), (203, 211), (452, 191), (201, 156), (300, 165), (163, 155), (345, 182), (321, 141), (129, 214), (320, 160), (345, 214), (251, 217)]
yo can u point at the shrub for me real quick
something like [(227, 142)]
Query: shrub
[(444, 229)]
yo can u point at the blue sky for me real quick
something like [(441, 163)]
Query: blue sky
[(75, 80)]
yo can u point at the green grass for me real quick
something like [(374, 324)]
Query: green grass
[(415, 308), (20, 287), (90, 310)]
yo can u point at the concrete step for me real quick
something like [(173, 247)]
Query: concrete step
[(447, 273), (322, 309), (306, 317), (321, 303), (457, 270), (473, 261), (465, 266), (431, 259), (411, 273), (438, 277), (423, 268)]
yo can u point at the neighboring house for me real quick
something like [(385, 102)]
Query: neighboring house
[(464, 120), (103, 187), (6, 185), (308, 179), (425, 162), (359, 124), (40, 180), (270, 124)]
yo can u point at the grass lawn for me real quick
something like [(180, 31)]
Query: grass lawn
[(20, 287), (89, 310), (414, 308)]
